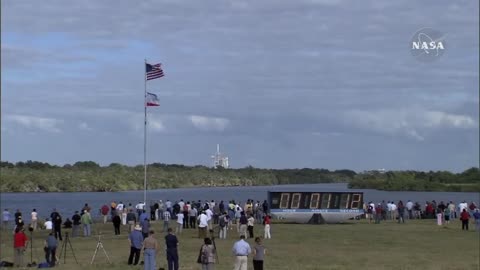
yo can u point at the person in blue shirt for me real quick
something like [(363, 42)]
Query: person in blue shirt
[(241, 249), (136, 242), (476, 216), (50, 249), (6, 216)]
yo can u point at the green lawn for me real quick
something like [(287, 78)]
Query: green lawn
[(356, 245)]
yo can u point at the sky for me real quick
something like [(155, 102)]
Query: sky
[(278, 84)]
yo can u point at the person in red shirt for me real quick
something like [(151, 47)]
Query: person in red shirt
[(266, 221), (464, 217), (20, 241), (104, 211)]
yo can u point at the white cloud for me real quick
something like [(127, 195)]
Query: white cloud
[(156, 125), (209, 123), (439, 119), (407, 122), (84, 126), (33, 122)]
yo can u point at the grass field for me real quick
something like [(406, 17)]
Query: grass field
[(356, 245)]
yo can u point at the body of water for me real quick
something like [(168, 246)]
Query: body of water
[(67, 203)]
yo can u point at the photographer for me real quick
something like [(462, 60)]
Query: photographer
[(207, 255), (50, 249)]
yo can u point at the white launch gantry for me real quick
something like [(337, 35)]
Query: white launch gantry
[(220, 160)]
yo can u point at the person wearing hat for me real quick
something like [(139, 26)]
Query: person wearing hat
[(136, 242)]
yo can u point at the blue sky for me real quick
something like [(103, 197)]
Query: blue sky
[(279, 84)]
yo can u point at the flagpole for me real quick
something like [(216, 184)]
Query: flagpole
[(145, 138)]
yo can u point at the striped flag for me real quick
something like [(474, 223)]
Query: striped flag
[(153, 71), (151, 100)]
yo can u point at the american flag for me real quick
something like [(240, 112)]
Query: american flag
[(154, 71)]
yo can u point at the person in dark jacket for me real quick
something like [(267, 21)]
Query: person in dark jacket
[(67, 224), (116, 220), (131, 219), (171, 243), (57, 227), (76, 224)]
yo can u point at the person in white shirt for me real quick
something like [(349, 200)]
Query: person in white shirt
[(394, 210), (203, 225), (168, 205), (48, 224), (209, 214), (409, 206), (180, 218), (462, 206), (120, 207), (181, 204), (34, 219)]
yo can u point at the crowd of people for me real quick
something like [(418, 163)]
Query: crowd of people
[(210, 218), (442, 212)]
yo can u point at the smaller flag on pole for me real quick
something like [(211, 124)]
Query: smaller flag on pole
[(153, 71), (152, 100)]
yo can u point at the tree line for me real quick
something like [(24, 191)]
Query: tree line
[(34, 176)]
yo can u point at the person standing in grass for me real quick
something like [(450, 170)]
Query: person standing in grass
[(87, 223), (207, 255), (202, 225), (250, 222), (20, 241), (243, 224), (266, 222), (131, 219), (464, 217), (446, 215), (171, 242), (136, 242), (259, 252), (50, 249), (378, 213), (180, 225), (150, 246), (76, 223), (34, 219), (104, 211), (241, 249), (476, 216), (166, 220), (401, 212), (223, 224), (6, 216), (116, 223)]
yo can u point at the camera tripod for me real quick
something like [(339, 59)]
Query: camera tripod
[(212, 236), (32, 263), (64, 250), (100, 245)]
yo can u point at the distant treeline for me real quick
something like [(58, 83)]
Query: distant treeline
[(34, 176)]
